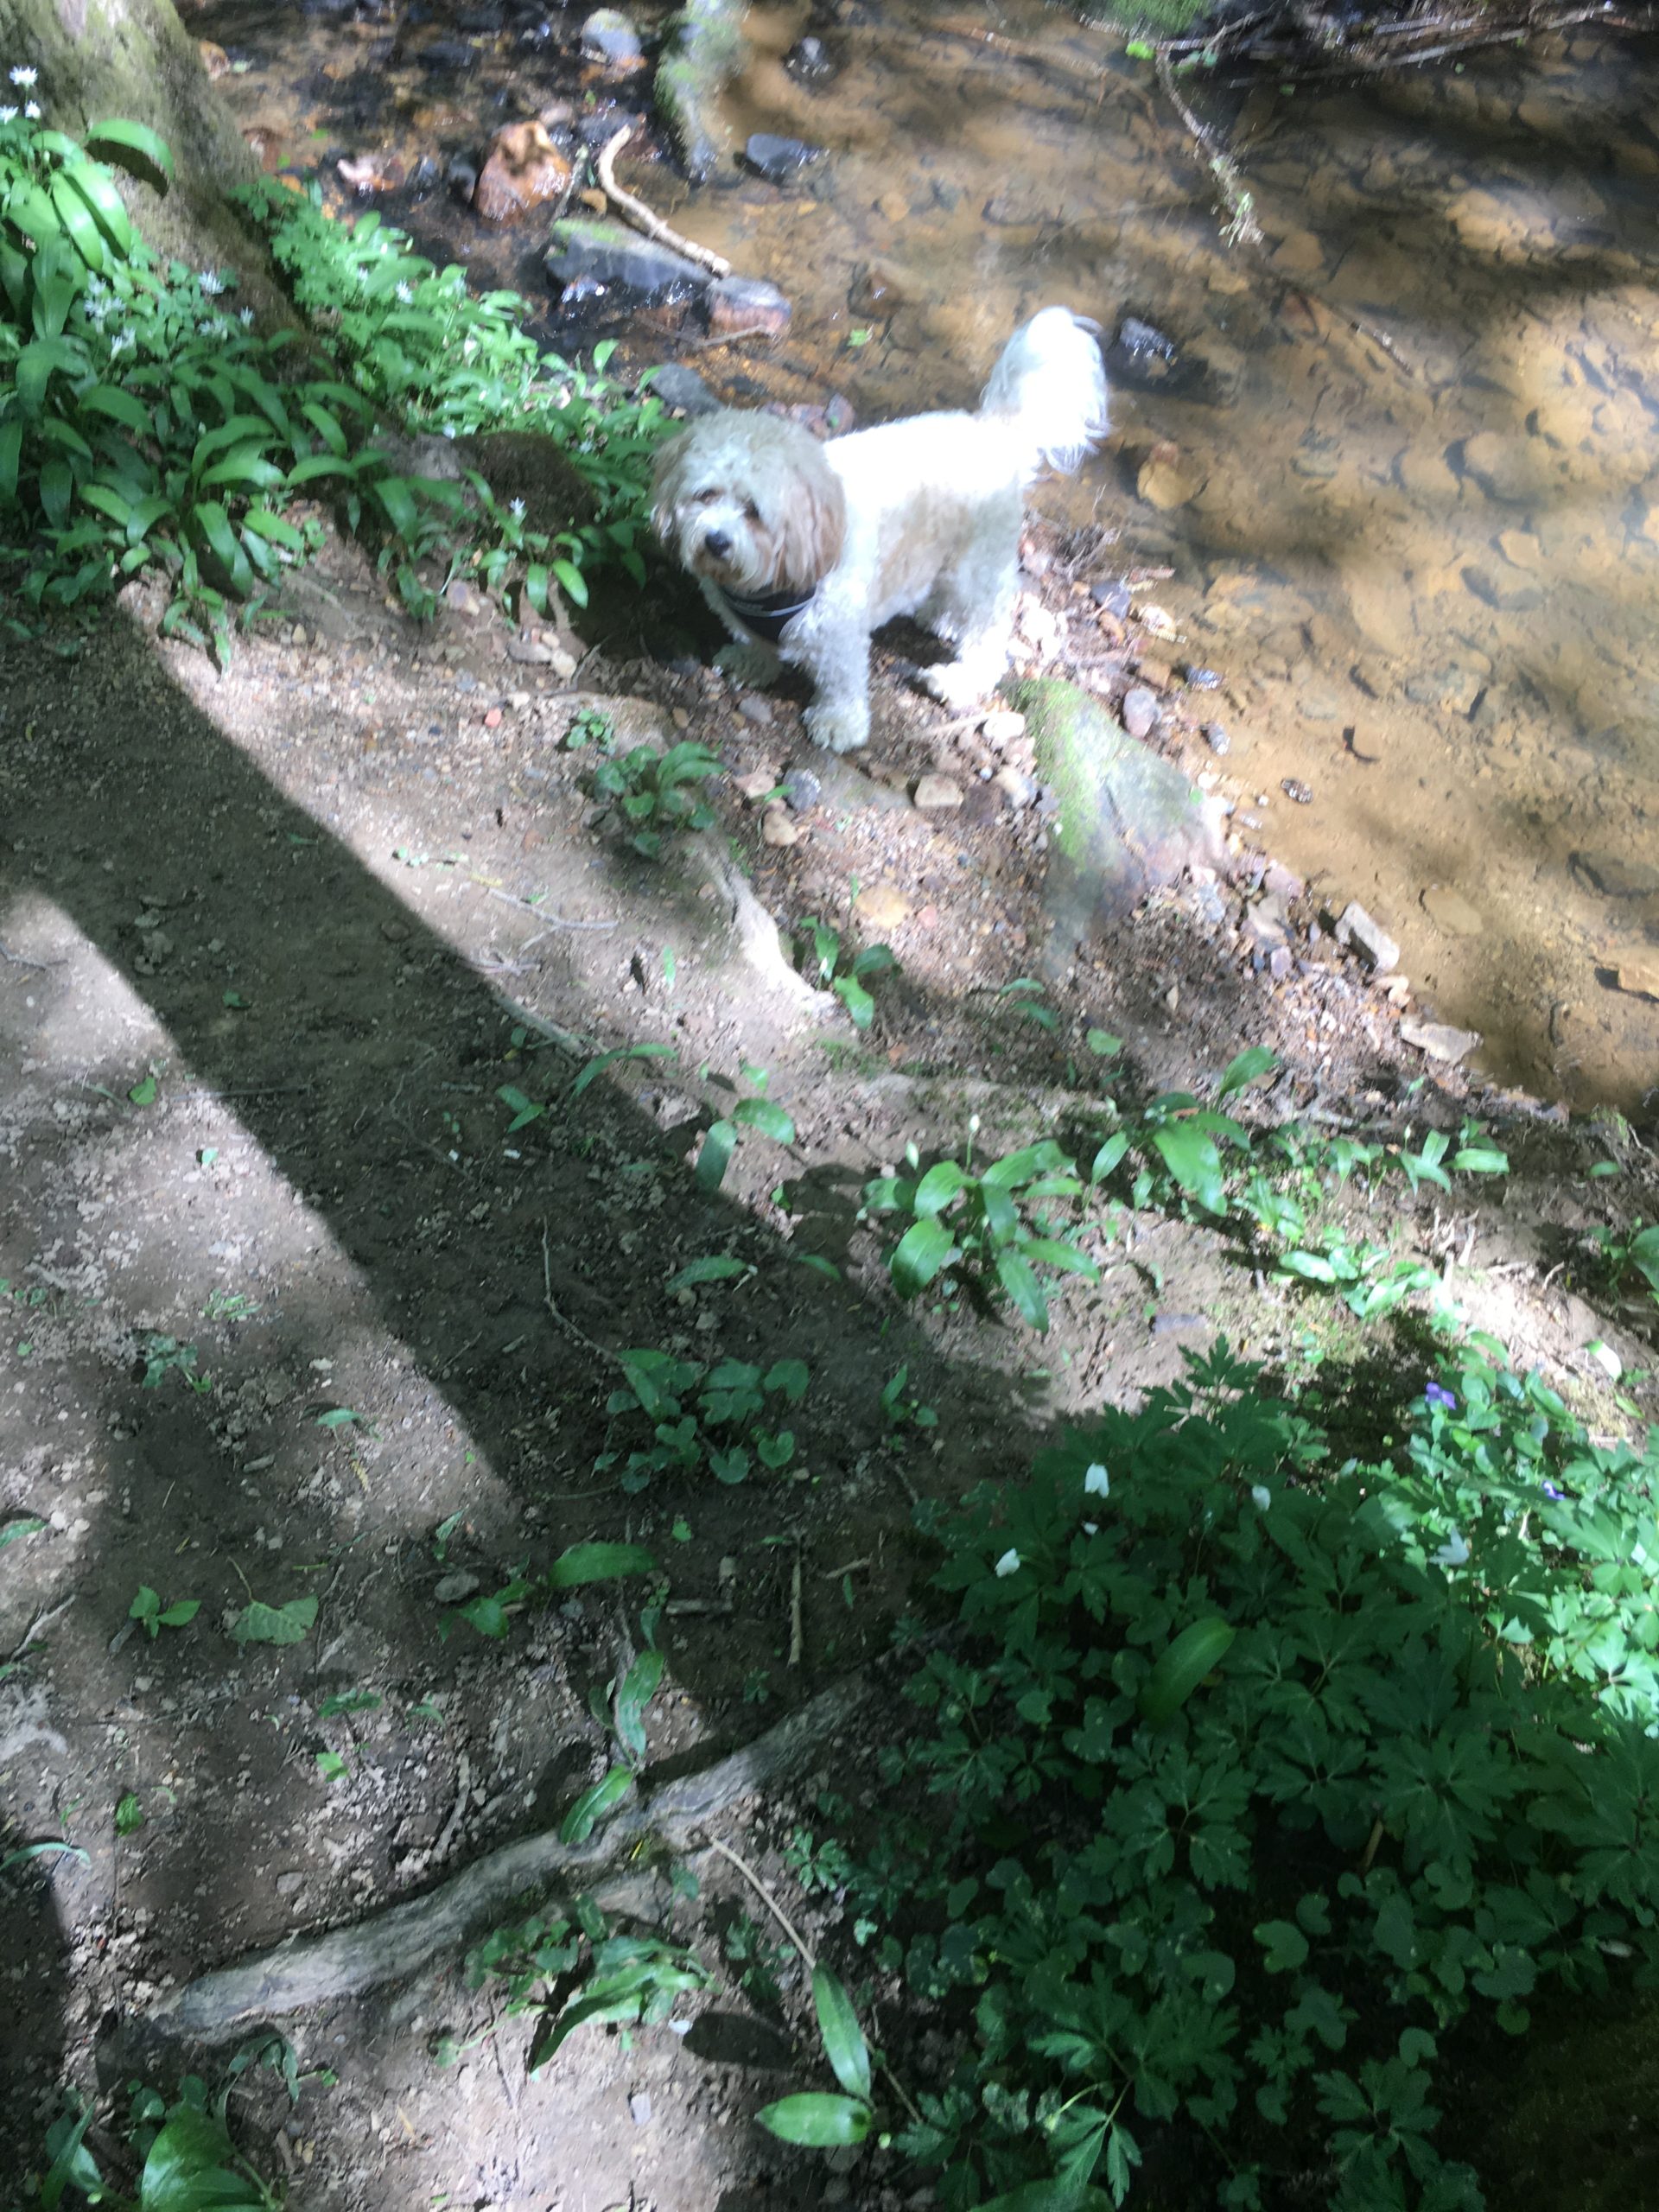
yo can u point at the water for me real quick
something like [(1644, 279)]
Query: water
[(1405, 482)]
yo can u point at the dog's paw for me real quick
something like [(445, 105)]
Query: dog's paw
[(752, 664), (839, 729)]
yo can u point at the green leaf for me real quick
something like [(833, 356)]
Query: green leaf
[(332, 1767), (820, 2121), (860, 1005), (214, 525), (1284, 1943), (596, 1066), (29, 1525), (639, 1686), (592, 1805), (143, 1093), (1193, 1160), (189, 2168), (1481, 1159), (76, 217), (1250, 1064), (524, 1110), (27, 1851), (1108, 1157), (717, 1268), (274, 527), (843, 2039), (104, 202), (129, 1813), (937, 1187), (599, 1563), (1194, 1654), (181, 1614), (719, 1141), (761, 1113), (259, 1623), (925, 1247), (137, 149), (1102, 1042), (1013, 1272)]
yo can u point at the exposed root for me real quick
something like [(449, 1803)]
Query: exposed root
[(398, 1943)]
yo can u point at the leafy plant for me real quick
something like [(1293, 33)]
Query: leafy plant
[(164, 1355), (1637, 1247), (902, 1411), (574, 1970), (975, 1225), (816, 2117), (655, 793), (181, 2152), (1245, 1778), (147, 1609), (704, 1416), (848, 979), (591, 726), (721, 1138), (580, 1564)]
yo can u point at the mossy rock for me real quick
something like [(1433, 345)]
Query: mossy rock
[(1126, 819), (703, 51)]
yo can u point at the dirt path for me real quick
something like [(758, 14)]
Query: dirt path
[(290, 1312)]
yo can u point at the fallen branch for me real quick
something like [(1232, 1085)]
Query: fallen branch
[(1242, 226), (397, 1943), (636, 212)]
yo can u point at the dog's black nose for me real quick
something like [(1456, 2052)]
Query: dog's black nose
[(718, 542)]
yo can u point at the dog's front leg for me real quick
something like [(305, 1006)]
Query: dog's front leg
[(838, 662)]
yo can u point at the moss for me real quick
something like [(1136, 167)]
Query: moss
[(703, 51)]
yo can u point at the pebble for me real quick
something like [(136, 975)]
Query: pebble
[(809, 60), (1002, 728), (755, 785), (1453, 688), (1114, 598), (748, 304), (936, 794), (1139, 710), (1018, 788), (1502, 467), (639, 2107), (289, 1883), (1165, 481), (608, 37), (679, 387), (1616, 878), (776, 826), (1203, 679), (1439, 1041), (777, 159), (1295, 790), (882, 905), (1216, 737), (753, 709), (1639, 977), (1356, 927), (451, 1588), (802, 790), (1450, 911)]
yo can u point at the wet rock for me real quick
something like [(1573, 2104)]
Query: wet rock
[(810, 61), (679, 387), (877, 289), (777, 159), (1505, 593), (802, 790), (936, 795), (1449, 910), (1124, 819), (1504, 468), (1354, 927), (758, 784), (777, 828), (748, 304), (753, 709), (585, 250), (1141, 355), (1439, 1041), (1113, 597), (1296, 790), (1520, 549), (1016, 787), (1638, 977), (461, 176), (522, 169), (1168, 478), (1139, 711), (425, 177), (1616, 877), (702, 52), (611, 41), (454, 54), (1216, 738), (1453, 687)]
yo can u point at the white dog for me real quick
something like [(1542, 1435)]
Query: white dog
[(804, 549)]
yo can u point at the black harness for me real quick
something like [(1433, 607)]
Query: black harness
[(766, 613)]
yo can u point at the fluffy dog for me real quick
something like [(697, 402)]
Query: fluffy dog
[(804, 549)]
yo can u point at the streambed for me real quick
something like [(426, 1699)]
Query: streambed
[(1397, 489)]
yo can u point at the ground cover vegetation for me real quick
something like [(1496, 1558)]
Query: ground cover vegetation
[(146, 421)]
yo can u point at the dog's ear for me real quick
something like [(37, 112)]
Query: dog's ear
[(668, 482), (813, 522)]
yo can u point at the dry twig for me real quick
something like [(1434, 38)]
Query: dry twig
[(636, 212)]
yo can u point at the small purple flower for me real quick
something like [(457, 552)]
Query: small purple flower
[(1550, 1490), (1437, 1397)]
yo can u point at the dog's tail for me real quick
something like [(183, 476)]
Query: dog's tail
[(1049, 385)]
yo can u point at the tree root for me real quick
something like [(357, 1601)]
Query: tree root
[(397, 1943), (636, 212)]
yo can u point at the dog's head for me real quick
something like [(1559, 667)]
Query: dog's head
[(750, 502)]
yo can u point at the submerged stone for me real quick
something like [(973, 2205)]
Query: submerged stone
[(779, 159), (702, 52), (582, 249)]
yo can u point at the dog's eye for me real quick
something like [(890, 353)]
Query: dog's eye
[(705, 497), (751, 512)]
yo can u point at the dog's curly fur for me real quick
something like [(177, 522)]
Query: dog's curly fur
[(919, 518)]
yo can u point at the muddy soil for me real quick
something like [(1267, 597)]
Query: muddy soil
[(294, 1304)]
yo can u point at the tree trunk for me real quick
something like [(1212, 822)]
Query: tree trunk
[(135, 59)]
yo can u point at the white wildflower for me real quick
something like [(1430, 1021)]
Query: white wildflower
[(211, 282), (516, 508), (1453, 1552), (1097, 1482), (1261, 1496), (1009, 1563), (123, 343), (31, 110), (1091, 1528), (24, 77), (8, 115), (404, 295), (244, 316)]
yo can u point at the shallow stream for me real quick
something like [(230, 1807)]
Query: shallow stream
[(1402, 476)]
